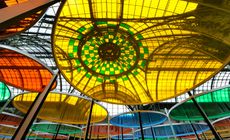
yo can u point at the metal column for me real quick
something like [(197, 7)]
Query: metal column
[(89, 119), (141, 127), (58, 129), (31, 114), (217, 136)]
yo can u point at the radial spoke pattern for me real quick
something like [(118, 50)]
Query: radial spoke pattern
[(139, 52)]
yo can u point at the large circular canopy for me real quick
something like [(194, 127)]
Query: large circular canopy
[(131, 119), (215, 103), (53, 127), (136, 51), (21, 70), (5, 93), (20, 24), (62, 108), (165, 131), (10, 119)]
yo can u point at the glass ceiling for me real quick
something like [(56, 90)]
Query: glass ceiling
[(37, 39), (120, 56)]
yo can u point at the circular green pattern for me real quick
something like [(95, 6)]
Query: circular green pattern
[(111, 53)]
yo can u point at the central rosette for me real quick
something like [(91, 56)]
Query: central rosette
[(109, 51)]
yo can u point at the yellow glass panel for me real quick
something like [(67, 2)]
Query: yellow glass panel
[(134, 51), (62, 108)]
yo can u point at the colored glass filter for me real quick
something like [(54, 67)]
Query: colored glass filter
[(105, 130), (62, 108), (23, 71), (125, 137), (131, 119), (222, 126), (10, 119), (51, 136), (21, 24), (53, 127), (164, 131), (215, 103), (134, 52), (5, 93)]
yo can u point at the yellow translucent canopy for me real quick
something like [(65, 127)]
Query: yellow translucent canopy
[(62, 108), (134, 52)]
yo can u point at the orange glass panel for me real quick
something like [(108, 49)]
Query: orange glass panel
[(19, 25), (21, 71), (62, 108), (224, 122)]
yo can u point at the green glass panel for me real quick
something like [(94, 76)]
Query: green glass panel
[(216, 104), (75, 48), (125, 25), (4, 92), (81, 29), (101, 22), (52, 128), (71, 42), (71, 55)]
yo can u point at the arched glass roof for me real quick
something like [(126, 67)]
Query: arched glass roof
[(206, 22), (144, 56)]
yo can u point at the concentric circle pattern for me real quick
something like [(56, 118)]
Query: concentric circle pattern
[(134, 52)]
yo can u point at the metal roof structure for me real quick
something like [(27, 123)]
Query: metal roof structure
[(125, 54)]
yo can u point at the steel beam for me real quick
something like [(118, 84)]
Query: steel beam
[(21, 10), (141, 127), (89, 120), (32, 112), (217, 136)]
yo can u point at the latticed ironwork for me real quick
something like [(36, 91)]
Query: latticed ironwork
[(140, 51)]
